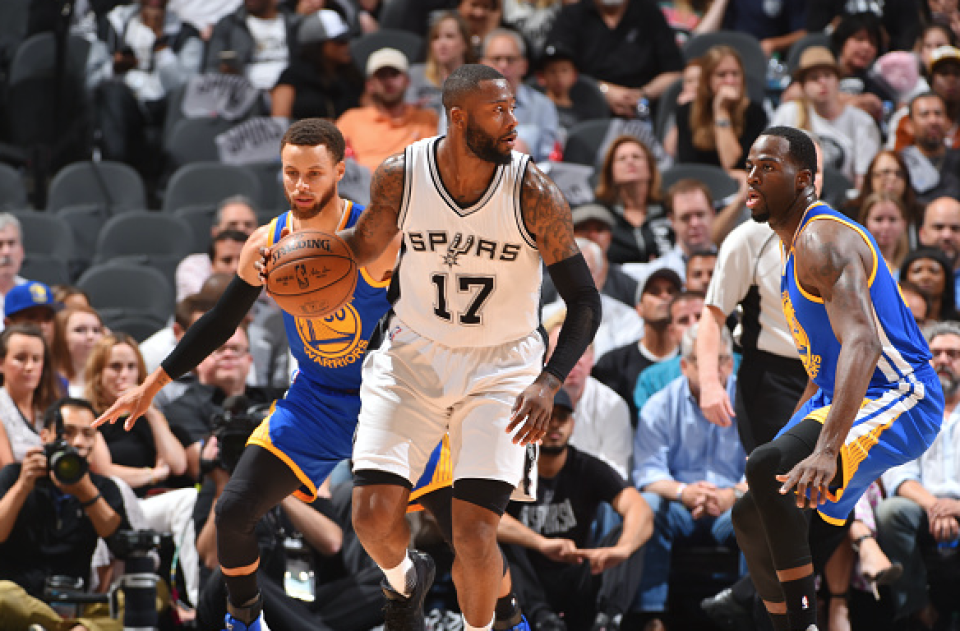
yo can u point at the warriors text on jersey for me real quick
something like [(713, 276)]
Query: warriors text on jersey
[(468, 277), (904, 349), (330, 350)]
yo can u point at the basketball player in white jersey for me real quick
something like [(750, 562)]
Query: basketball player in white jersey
[(463, 353)]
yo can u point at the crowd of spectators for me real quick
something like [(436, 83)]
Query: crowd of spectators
[(649, 436)]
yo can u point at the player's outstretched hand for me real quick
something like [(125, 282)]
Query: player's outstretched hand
[(811, 476), (133, 404), (532, 410)]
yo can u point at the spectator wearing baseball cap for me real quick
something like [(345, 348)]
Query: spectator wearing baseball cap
[(576, 98), (620, 367), (377, 131), (33, 303), (322, 80)]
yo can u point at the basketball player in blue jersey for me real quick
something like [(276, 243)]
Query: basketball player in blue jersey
[(872, 402), (463, 355), (311, 429)]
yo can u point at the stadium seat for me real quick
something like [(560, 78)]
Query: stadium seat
[(45, 234), (114, 186), (13, 191), (193, 140), (200, 219), (137, 325), (272, 197), (410, 44), (206, 183), (13, 29), (722, 186), (46, 269), (48, 120), (118, 290), (666, 108), (836, 187), (85, 222), (153, 239)]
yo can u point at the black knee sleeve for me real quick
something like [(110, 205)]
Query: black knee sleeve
[(494, 495), (753, 542)]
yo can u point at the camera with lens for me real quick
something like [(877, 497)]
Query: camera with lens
[(232, 427), (65, 462), (137, 549)]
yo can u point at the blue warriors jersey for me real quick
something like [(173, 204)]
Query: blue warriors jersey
[(330, 350), (904, 349)]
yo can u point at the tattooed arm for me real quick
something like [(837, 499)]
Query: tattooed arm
[(546, 215), (835, 263), (377, 226)]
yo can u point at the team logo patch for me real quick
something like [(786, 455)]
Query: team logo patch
[(811, 362), (335, 340), (456, 248)]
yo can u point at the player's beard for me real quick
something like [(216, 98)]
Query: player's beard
[(553, 450), (312, 211), (949, 381), (485, 147)]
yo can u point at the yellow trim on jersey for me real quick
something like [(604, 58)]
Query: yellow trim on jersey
[(442, 476), (833, 521), (370, 281), (852, 453), (261, 437), (845, 222), (272, 231)]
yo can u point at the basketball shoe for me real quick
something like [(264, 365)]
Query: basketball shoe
[(405, 613)]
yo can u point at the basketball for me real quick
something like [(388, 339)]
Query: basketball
[(311, 274)]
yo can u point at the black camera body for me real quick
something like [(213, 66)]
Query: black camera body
[(233, 427), (65, 462)]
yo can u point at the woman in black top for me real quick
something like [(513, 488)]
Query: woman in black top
[(629, 184), (721, 123)]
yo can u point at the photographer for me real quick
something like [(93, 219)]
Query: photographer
[(52, 510), (294, 537)]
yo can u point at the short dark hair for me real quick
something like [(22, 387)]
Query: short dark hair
[(799, 145), (53, 415), (683, 296), (854, 23), (686, 185), (312, 132), (929, 94), (464, 81), (225, 235)]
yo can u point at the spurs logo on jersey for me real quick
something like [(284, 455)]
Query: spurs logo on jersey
[(480, 262), (433, 241)]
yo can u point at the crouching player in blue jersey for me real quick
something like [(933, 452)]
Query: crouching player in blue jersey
[(311, 429), (873, 401)]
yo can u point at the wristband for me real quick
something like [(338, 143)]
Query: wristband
[(722, 123), (680, 491), (737, 493), (91, 501)]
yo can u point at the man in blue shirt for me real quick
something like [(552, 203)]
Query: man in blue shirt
[(689, 470)]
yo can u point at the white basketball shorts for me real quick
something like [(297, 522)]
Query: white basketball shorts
[(415, 390)]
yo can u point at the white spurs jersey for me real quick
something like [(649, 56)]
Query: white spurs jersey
[(468, 277)]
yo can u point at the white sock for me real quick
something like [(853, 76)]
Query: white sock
[(486, 627), (402, 578)]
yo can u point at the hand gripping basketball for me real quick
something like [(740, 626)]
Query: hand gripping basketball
[(311, 274)]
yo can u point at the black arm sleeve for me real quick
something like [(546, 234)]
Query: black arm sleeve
[(213, 329), (573, 281)]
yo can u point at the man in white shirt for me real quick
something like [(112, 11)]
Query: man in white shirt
[(923, 507), (602, 425)]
